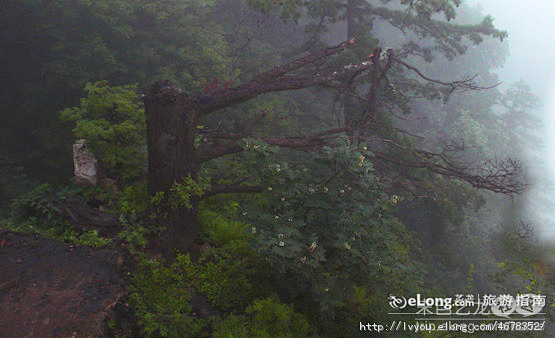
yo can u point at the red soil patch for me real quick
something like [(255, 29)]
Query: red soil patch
[(48, 288)]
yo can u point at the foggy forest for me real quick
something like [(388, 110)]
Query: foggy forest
[(264, 168)]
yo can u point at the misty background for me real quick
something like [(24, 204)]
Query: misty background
[(531, 46), (292, 161)]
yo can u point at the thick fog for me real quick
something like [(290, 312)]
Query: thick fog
[(531, 29), (277, 168)]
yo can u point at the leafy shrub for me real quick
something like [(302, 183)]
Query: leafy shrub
[(328, 225), (32, 213), (161, 295), (265, 318), (219, 230), (112, 120), (60, 231), (134, 233), (161, 298), (133, 198), (181, 192)]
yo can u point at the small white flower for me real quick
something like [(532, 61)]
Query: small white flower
[(347, 246), (283, 199), (325, 189), (276, 216), (304, 169), (269, 188), (245, 213), (281, 244), (311, 190), (326, 289), (312, 246), (342, 191), (290, 219), (303, 259), (253, 230), (280, 236)]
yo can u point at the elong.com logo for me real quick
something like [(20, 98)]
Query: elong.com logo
[(502, 305), (399, 303)]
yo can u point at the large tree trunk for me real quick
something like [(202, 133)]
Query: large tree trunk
[(171, 131)]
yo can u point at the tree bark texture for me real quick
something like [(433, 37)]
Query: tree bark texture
[(171, 132)]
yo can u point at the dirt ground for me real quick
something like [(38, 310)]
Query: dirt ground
[(48, 288)]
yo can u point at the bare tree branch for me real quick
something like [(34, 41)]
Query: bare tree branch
[(497, 176), (279, 79), (464, 84)]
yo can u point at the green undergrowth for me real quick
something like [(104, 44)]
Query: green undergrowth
[(57, 230), (33, 213), (229, 275)]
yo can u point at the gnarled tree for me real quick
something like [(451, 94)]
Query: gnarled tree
[(175, 157)]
